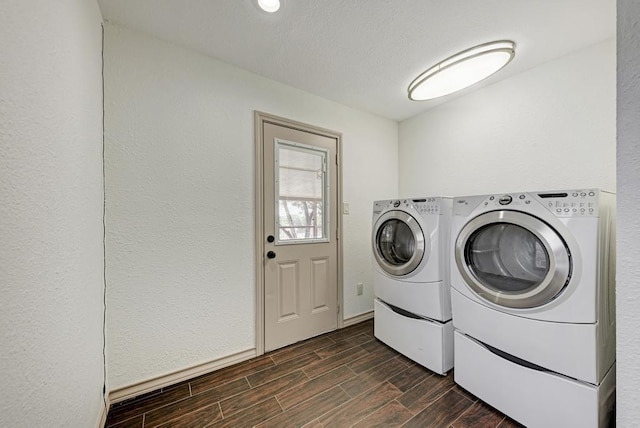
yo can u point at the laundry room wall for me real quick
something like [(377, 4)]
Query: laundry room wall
[(51, 252), (180, 201), (552, 127), (628, 250)]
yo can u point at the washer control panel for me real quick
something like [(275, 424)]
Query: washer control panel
[(426, 205), (421, 205)]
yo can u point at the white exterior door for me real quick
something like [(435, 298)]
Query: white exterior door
[(300, 221)]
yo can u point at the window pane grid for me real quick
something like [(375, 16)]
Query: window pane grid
[(301, 186)]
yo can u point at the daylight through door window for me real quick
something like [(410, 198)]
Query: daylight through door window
[(301, 189)]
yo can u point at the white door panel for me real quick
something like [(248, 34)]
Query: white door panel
[(300, 220)]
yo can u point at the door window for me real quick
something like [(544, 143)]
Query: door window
[(507, 258), (301, 193)]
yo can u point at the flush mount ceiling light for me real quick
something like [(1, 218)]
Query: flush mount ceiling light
[(269, 5), (462, 70)]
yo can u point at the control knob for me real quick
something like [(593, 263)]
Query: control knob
[(505, 200)]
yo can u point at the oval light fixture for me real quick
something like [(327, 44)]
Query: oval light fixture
[(462, 70), (269, 5)]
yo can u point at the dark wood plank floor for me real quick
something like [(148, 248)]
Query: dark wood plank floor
[(345, 378)]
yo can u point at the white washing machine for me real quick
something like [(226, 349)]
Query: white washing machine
[(410, 242), (533, 299)]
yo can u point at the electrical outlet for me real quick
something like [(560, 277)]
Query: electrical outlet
[(359, 288)]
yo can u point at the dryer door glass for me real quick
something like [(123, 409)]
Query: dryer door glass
[(507, 258), (513, 259), (398, 243)]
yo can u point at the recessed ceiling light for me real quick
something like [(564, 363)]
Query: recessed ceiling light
[(269, 5), (462, 70)]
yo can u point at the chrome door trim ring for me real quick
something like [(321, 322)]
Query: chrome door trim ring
[(418, 236), (559, 260)]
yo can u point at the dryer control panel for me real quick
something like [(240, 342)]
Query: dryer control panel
[(563, 203), (566, 203), (573, 203)]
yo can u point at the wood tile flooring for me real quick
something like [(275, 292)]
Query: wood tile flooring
[(345, 378)]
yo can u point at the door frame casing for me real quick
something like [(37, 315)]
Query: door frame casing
[(259, 119)]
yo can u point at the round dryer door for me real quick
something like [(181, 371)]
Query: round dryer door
[(513, 259), (398, 243)]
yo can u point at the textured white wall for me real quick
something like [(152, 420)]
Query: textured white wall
[(551, 127), (51, 256), (179, 198), (628, 282)]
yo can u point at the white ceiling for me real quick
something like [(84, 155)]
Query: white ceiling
[(364, 53)]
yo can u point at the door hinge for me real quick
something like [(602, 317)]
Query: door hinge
[(338, 308), (336, 159)]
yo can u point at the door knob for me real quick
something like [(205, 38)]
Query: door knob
[(271, 255), (270, 238)]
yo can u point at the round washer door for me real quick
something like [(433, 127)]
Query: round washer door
[(513, 259), (398, 243)]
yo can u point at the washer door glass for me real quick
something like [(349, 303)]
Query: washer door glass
[(398, 243), (513, 259)]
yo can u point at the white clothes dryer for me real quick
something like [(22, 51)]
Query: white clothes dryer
[(410, 240), (533, 280)]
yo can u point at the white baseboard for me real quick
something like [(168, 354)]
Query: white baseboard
[(134, 390), (358, 318), (140, 388), (102, 417)]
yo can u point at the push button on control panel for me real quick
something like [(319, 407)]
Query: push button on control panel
[(577, 203), (426, 208)]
